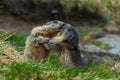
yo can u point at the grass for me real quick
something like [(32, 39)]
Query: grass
[(16, 40), (109, 9), (47, 71), (51, 68)]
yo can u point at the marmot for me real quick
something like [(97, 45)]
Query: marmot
[(44, 39), (35, 48), (67, 46)]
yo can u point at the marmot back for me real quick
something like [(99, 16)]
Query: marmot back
[(67, 44)]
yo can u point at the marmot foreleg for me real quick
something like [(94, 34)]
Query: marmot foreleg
[(35, 49)]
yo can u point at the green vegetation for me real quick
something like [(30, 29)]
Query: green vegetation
[(16, 40), (52, 71), (51, 68), (105, 10), (100, 6)]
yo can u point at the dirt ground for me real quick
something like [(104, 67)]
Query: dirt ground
[(11, 23), (14, 23)]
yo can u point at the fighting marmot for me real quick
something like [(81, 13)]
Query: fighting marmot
[(42, 40), (35, 48), (67, 46)]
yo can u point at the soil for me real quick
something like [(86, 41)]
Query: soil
[(13, 23)]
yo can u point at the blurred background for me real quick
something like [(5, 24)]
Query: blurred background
[(22, 15)]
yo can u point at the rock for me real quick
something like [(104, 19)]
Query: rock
[(113, 42), (95, 54), (93, 48)]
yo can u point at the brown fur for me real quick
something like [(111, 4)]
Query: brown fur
[(35, 51), (45, 30), (35, 48), (66, 44), (70, 55)]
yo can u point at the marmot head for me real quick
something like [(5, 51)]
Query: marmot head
[(45, 30), (56, 24), (49, 29)]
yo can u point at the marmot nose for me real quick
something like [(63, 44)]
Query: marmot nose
[(46, 40)]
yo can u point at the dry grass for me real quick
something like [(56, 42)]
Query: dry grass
[(8, 54)]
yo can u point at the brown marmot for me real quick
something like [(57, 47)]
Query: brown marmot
[(67, 46), (45, 38), (35, 48)]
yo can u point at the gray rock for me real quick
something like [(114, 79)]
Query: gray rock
[(93, 53), (113, 42)]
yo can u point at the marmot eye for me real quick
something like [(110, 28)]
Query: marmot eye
[(63, 24)]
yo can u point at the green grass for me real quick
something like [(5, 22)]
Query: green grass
[(16, 40), (51, 68), (109, 9), (53, 71)]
